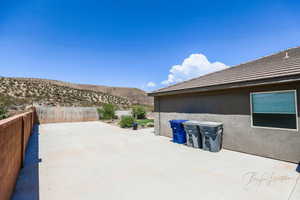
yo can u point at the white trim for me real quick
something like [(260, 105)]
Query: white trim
[(278, 91)]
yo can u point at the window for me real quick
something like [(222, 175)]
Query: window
[(274, 109)]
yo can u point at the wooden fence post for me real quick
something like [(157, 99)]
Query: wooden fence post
[(31, 122), (22, 142)]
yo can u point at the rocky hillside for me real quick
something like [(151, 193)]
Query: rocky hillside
[(134, 95), (51, 93)]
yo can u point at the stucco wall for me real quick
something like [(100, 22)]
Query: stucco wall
[(232, 108), (239, 136)]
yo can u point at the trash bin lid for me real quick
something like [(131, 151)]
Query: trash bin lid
[(191, 123), (210, 124), (177, 121)]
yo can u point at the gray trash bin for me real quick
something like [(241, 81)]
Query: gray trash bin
[(212, 133), (193, 135)]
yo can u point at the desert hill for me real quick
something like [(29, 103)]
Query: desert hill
[(16, 93), (134, 95)]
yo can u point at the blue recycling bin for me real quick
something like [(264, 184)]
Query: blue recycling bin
[(179, 135)]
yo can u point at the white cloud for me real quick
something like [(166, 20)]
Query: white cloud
[(193, 66), (151, 84)]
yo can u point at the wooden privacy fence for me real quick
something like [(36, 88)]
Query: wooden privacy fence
[(14, 134), (66, 114)]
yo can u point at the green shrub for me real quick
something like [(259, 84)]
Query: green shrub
[(150, 124), (126, 121), (144, 122), (139, 112), (107, 111), (3, 113)]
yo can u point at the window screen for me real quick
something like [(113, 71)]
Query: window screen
[(274, 109)]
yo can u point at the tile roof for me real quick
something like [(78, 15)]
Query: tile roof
[(272, 66)]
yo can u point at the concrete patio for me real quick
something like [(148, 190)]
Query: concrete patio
[(93, 160)]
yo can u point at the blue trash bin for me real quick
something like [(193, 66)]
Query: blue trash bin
[(179, 135)]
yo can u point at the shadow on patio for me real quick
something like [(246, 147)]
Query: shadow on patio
[(27, 186)]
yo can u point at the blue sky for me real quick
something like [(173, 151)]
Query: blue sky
[(130, 43)]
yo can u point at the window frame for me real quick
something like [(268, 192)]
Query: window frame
[(274, 128)]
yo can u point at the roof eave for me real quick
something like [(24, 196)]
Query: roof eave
[(261, 82)]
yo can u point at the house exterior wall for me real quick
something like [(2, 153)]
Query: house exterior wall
[(232, 108)]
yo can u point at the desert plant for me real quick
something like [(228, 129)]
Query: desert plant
[(150, 124), (139, 112), (126, 121), (144, 122), (107, 111), (3, 113)]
